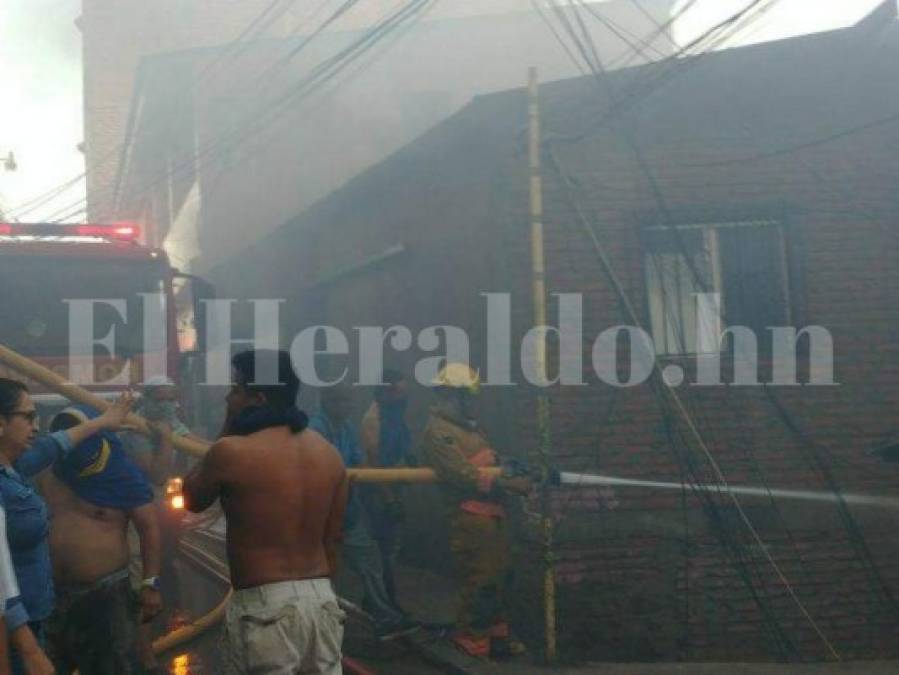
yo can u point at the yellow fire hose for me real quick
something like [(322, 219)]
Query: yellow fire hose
[(184, 634), (73, 392)]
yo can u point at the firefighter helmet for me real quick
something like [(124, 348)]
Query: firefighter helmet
[(458, 376)]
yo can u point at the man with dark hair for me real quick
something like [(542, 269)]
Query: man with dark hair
[(280, 383), (283, 490), (360, 551)]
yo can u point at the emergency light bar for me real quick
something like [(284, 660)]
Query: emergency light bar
[(115, 231)]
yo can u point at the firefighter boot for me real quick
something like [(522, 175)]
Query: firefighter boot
[(503, 645), (474, 645)]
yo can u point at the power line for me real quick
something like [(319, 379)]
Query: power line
[(710, 507), (645, 12), (258, 82), (678, 405), (596, 66), (622, 33), (321, 74), (661, 29), (663, 72), (799, 147), (352, 70), (856, 538), (535, 4), (233, 49)]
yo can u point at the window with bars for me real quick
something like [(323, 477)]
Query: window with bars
[(702, 279)]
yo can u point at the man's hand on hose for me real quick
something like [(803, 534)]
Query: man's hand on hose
[(113, 418), (515, 485), (150, 604)]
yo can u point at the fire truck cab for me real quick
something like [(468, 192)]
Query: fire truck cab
[(95, 306)]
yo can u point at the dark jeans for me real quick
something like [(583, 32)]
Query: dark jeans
[(361, 554), (385, 531), (94, 630)]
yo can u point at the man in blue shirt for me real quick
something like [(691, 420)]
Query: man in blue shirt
[(359, 548)]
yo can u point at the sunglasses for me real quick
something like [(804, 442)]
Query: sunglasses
[(30, 415)]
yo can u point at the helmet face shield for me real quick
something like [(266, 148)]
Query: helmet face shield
[(458, 376)]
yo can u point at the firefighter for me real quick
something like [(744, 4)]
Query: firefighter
[(456, 448)]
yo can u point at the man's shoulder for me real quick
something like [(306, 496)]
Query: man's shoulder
[(312, 437), (229, 447), (226, 443), (310, 440), (313, 441)]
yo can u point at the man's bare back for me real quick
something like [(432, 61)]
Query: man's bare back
[(283, 495)]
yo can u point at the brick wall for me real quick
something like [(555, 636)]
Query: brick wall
[(647, 574), (644, 571)]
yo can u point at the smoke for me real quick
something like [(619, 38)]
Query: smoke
[(41, 115)]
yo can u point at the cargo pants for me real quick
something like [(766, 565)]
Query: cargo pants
[(481, 557)]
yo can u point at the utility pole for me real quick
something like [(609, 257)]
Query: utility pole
[(538, 275)]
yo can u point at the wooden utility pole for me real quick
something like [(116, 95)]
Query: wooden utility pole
[(538, 275)]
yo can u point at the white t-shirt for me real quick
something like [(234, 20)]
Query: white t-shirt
[(9, 587)]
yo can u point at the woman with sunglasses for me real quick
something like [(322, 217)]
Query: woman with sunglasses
[(22, 455)]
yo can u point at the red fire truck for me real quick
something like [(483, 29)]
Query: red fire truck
[(45, 267)]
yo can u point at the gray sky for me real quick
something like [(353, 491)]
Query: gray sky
[(40, 71), (40, 115), (786, 18)]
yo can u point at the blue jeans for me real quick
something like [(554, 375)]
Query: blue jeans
[(385, 531), (363, 557)]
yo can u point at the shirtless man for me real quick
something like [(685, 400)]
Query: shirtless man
[(283, 489), (92, 495)]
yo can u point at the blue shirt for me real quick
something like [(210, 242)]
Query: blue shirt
[(27, 527), (346, 440)]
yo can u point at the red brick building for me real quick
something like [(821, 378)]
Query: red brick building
[(774, 168)]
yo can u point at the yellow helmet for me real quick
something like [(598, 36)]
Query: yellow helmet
[(458, 376)]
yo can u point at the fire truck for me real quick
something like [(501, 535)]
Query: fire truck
[(46, 269)]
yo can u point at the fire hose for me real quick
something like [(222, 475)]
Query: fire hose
[(199, 448), (60, 385), (36, 372)]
